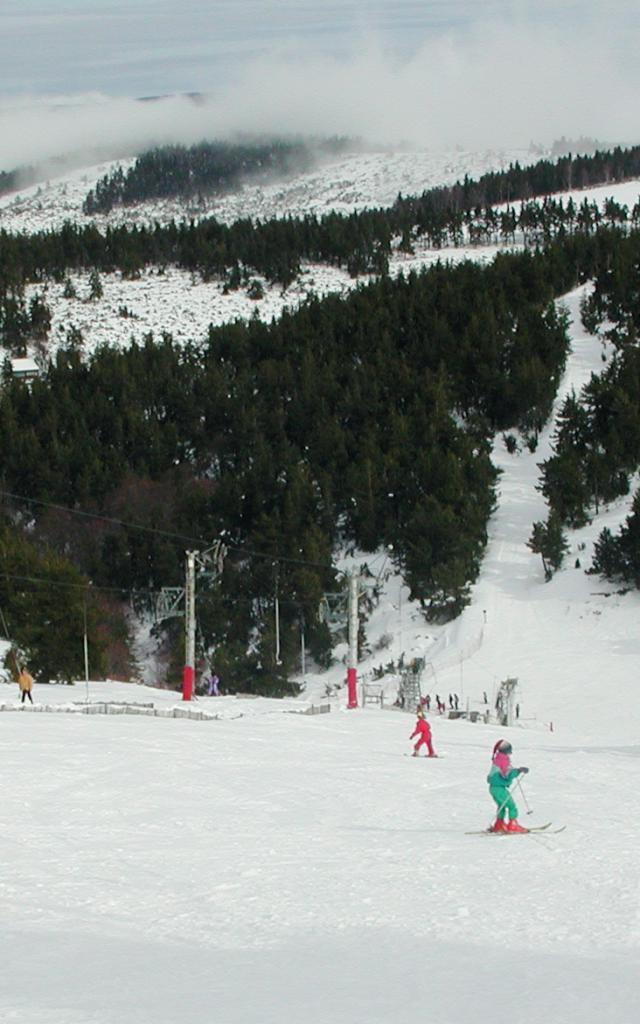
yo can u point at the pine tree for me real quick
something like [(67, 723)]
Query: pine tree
[(548, 541), (95, 285)]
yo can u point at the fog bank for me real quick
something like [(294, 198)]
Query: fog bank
[(500, 84)]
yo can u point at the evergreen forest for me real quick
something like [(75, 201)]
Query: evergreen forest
[(597, 440), (167, 172), (363, 421)]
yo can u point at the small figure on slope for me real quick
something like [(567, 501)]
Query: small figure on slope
[(423, 731), (25, 682), (500, 777)]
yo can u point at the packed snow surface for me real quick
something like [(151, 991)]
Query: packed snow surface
[(280, 867), (270, 866)]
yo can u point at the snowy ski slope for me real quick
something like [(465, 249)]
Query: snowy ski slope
[(270, 866)]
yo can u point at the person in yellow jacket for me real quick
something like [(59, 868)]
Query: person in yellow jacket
[(25, 682)]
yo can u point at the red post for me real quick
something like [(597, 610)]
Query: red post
[(187, 682), (188, 673), (352, 696), (352, 663)]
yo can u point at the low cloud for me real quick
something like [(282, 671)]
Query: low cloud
[(500, 84), (497, 85)]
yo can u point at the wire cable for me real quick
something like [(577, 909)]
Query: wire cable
[(275, 558), (106, 519)]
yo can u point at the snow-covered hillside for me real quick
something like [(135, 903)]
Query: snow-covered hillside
[(468, 657), (183, 304), (271, 866), (351, 183)]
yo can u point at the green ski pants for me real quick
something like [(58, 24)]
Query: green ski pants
[(504, 802)]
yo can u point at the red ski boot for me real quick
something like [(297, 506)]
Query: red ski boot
[(513, 826), (499, 825)]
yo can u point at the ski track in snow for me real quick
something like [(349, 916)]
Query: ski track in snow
[(269, 866)]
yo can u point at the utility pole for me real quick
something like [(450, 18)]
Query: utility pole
[(188, 673), (303, 651), (332, 611), (210, 563), (276, 603), (86, 652), (352, 664)]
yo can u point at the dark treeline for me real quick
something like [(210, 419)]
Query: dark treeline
[(37, 174), (23, 177), (361, 242), (597, 441), (172, 171), (274, 249), (365, 420), (168, 172), (43, 599), (521, 183), (612, 307), (10, 181), (617, 556)]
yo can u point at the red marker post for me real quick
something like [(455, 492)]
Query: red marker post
[(352, 667), (188, 672)]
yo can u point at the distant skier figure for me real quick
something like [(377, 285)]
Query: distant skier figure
[(500, 777), (25, 682), (423, 731), (213, 688)]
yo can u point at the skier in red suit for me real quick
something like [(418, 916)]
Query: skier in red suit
[(423, 731)]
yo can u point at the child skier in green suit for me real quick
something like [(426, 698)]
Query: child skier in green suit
[(500, 777)]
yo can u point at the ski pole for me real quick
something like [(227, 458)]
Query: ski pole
[(526, 802)]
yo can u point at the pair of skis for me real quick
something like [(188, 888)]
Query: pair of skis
[(533, 830)]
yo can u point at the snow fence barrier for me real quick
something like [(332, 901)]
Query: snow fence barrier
[(122, 708), (108, 708)]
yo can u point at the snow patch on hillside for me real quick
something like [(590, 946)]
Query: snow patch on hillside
[(180, 303), (345, 185)]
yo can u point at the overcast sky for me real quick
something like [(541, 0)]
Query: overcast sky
[(145, 47), (435, 70)]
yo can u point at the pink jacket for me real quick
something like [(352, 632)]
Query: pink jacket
[(422, 727), (502, 762)]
